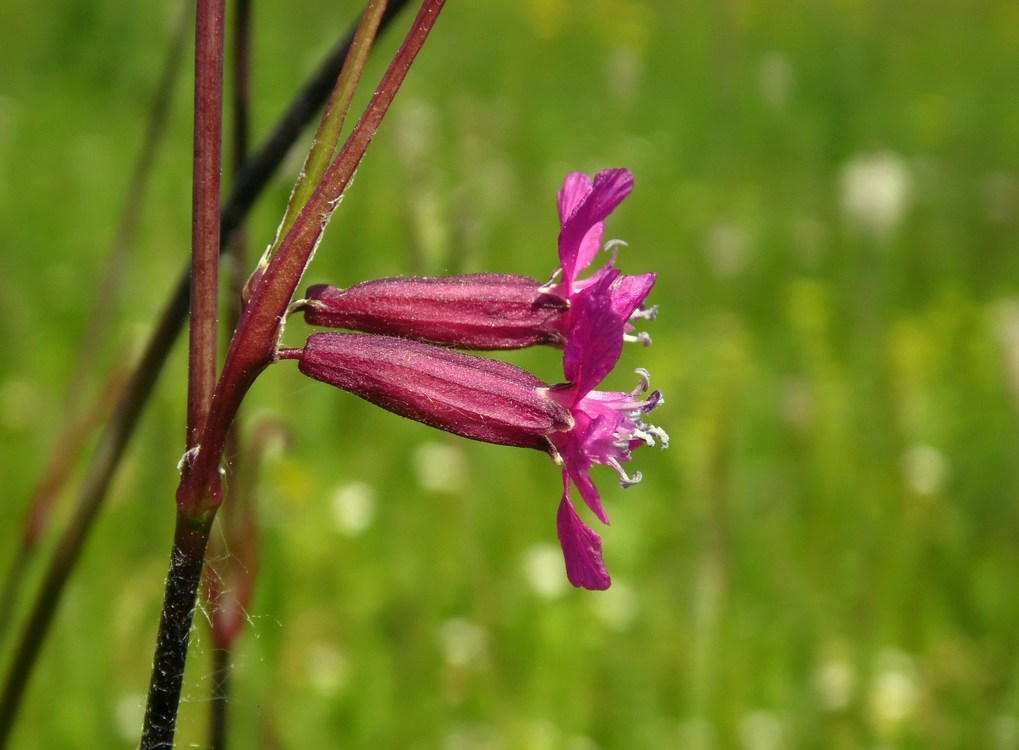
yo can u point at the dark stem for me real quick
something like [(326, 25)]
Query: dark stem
[(58, 469), (98, 320), (208, 142), (186, 558), (247, 187)]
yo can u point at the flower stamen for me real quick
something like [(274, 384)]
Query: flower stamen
[(625, 480)]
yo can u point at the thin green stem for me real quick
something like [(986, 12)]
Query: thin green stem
[(323, 146)]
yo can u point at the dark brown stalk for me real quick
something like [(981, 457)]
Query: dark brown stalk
[(250, 183), (186, 558)]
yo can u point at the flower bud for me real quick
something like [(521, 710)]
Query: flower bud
[(475, 397), (476, 311)]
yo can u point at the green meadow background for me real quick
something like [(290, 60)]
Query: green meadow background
[(826, 556)]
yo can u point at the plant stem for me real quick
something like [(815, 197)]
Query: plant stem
[(208, 149), (323, 145), (257, 336), (191, 535), (252, 179), (186, 558)]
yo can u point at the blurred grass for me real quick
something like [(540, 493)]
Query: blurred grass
[(824, 557)]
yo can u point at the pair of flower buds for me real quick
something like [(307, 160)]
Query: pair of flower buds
[(404, 360)]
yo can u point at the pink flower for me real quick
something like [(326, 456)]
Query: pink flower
[(488, 311), (496, 402), (493, 401)]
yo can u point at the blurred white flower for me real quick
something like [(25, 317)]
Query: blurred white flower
[(329, 668), (353, 508), (875, 190), (543, 569), (835, 682), (128, 712), (415, 128), (1007, 313), (463, 643), (761, 730), (440, 467), (1001, 193), (925, 469), (479, 737), (797, 404), (624, 70), (895, 692), (695, 733), (1004, 733)]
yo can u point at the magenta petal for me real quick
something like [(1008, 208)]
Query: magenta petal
[(577, 462), (628, 292), (575, 188), (581, 550), (579, 237), (596, 339)]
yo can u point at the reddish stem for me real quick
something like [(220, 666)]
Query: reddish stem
[(205, 220), (257, 336)]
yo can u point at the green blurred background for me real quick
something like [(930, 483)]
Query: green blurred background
[(826, 555)]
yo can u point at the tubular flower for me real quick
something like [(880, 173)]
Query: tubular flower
[(496, 402), (475, 311), (497, 311)]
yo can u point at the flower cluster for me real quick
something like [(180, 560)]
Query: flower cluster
[(402, 361)]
